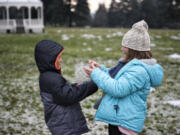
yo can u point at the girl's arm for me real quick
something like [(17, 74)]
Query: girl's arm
[(131, 81), (103, 68)]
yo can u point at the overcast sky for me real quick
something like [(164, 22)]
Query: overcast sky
[(94, 4)]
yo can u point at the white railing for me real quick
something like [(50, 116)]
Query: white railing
[(26, 22), (10, 23), (35, 25), (36, 22), (32, 22), (3, 22)]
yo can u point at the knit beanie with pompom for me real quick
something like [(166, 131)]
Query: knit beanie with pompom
[(137, 38)]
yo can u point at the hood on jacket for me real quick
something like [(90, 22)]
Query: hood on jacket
[(46, 52), (154, 70)]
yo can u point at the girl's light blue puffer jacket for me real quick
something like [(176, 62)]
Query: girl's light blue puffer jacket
[(124, 103)]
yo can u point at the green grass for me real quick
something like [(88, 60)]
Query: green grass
[(19, 90)]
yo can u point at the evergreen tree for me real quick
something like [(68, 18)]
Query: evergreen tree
[(68, 12), (54, 12), (149, 11), (113, 14), (133, 13), (124, 13), (45, 4), (82, 13), (162, 13), (100, 19), (174, 11)]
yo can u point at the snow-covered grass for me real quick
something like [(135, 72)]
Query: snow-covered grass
[(21, 109)]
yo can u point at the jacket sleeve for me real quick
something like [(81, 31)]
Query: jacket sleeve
[(65, 93), (103, 68), (131, 81)]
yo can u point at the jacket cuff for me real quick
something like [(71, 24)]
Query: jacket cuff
[(103, 68), (94, 75)]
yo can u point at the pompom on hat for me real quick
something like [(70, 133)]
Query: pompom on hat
[(137, 38)]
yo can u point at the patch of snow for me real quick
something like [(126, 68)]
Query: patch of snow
[(88, 49), (98, 128), (158, 36), (108, 36), (173, 102), (99, 37), (91, 36), (59, 31), (119, 34), (151, 37), (88, 36), (175, 37), (108, 49), (174, 56), (31, 119), (84, 44), (152, 89), (166, 49), (152, 45), (65, 37)]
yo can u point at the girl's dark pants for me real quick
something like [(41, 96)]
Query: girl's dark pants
[(113, 130)]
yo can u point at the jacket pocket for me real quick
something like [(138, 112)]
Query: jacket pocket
[(139, 104), (107, 110)]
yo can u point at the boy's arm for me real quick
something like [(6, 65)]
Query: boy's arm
[(65, 93), (85, 89)]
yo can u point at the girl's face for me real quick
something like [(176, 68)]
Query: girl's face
[(124, 50)]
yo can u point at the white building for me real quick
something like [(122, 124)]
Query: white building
[(21, 16)]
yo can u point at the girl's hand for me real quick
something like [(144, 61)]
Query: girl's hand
[(94, 63), (89, 70)]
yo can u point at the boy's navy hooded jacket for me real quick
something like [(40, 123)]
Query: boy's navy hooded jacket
[(63, 114)]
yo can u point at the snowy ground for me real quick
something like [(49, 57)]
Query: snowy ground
[(21, 110)]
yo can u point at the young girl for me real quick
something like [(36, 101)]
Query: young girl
[(126, 86), (61, 99)]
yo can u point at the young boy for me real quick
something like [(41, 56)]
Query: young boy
[(63, 114)]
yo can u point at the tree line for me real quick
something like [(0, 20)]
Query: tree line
[(121, 13)]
